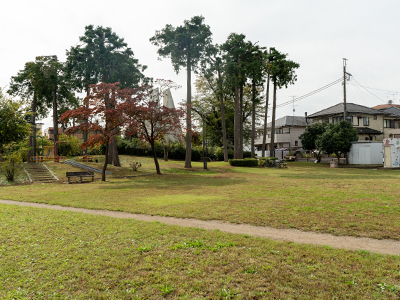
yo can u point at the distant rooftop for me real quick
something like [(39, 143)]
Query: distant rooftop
[(286, 121), (393, 111), (383, 106), (351, 108)]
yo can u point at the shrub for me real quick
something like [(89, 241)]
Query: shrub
[(261, 160), (135, 165), (9, 168), (137, 147), (247, 162)]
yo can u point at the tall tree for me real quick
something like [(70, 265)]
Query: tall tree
[(257, 69), (213, 71), (102, 56), (57, 90), (186, 46), (282, 74), (264, 138), (206, 99), (103, 108), (28, 85)]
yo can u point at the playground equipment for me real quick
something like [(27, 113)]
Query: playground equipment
[(49, 154)]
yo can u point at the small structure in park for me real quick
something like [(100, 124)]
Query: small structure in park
[(48, 154), (391, 152)]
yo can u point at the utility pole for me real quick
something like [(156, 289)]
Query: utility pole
[(344, 87)]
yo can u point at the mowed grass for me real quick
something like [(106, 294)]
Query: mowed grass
[(305, 196), (47, 254)]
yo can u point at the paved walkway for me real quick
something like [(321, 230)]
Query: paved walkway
[(293, 235)]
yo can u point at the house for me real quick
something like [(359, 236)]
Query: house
[(391, 121), (49, 132), (369, 122), (287, 132)]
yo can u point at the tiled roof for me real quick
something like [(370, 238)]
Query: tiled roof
[(383, 106), (367, 130), (289, 121), (351, 108), (392, 111)]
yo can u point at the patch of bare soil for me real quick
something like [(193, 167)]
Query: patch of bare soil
[(344, 242)]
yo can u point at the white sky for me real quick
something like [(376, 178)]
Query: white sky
[(316, 34)]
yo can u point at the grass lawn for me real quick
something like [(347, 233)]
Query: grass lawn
[(306, 196), (47, 254)]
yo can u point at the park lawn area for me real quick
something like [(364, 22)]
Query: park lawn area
[(305, 196), (46, 254)]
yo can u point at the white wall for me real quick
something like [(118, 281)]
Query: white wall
[(366, 153)]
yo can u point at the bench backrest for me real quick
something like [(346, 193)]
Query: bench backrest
[(68, 174)]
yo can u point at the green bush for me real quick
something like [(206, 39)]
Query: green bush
[(247, 162), (137, 147), (261, 160)]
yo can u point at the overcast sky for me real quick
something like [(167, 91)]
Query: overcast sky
[(315, 34)]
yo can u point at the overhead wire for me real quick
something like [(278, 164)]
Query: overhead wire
[(367, 90), (310, 94)]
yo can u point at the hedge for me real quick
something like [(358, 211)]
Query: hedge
[(247, 162)]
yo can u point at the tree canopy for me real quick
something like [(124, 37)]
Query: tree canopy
[(13, 122), (310, 136), (186, 45), (337, 138), (102, 56)]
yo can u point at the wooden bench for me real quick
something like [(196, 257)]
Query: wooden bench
[(80, 175)]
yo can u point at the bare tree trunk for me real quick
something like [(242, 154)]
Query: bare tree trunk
[(1, 152), (153, 149), (221, 102), (113, 158), (236, 126), (272, 146), (264, 141), (55, 117), (253, 117), (188, 157), (241, 121), (85, 133), (103, 171), (165, 149), (32, 140)]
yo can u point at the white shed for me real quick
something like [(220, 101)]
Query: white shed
[(366, 153), (391, 153)]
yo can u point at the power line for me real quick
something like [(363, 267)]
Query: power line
[(310, 94), (368, 90)]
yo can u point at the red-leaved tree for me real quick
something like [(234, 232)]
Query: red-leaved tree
[(150, 119), (103, 110)]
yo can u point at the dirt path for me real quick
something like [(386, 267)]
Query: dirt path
[(293, 235)]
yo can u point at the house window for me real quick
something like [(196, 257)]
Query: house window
[(335, 120), (366, 121), (350, 119), (279, 130), (325, 120), (388, 123), (296, 143), (375, 117)]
